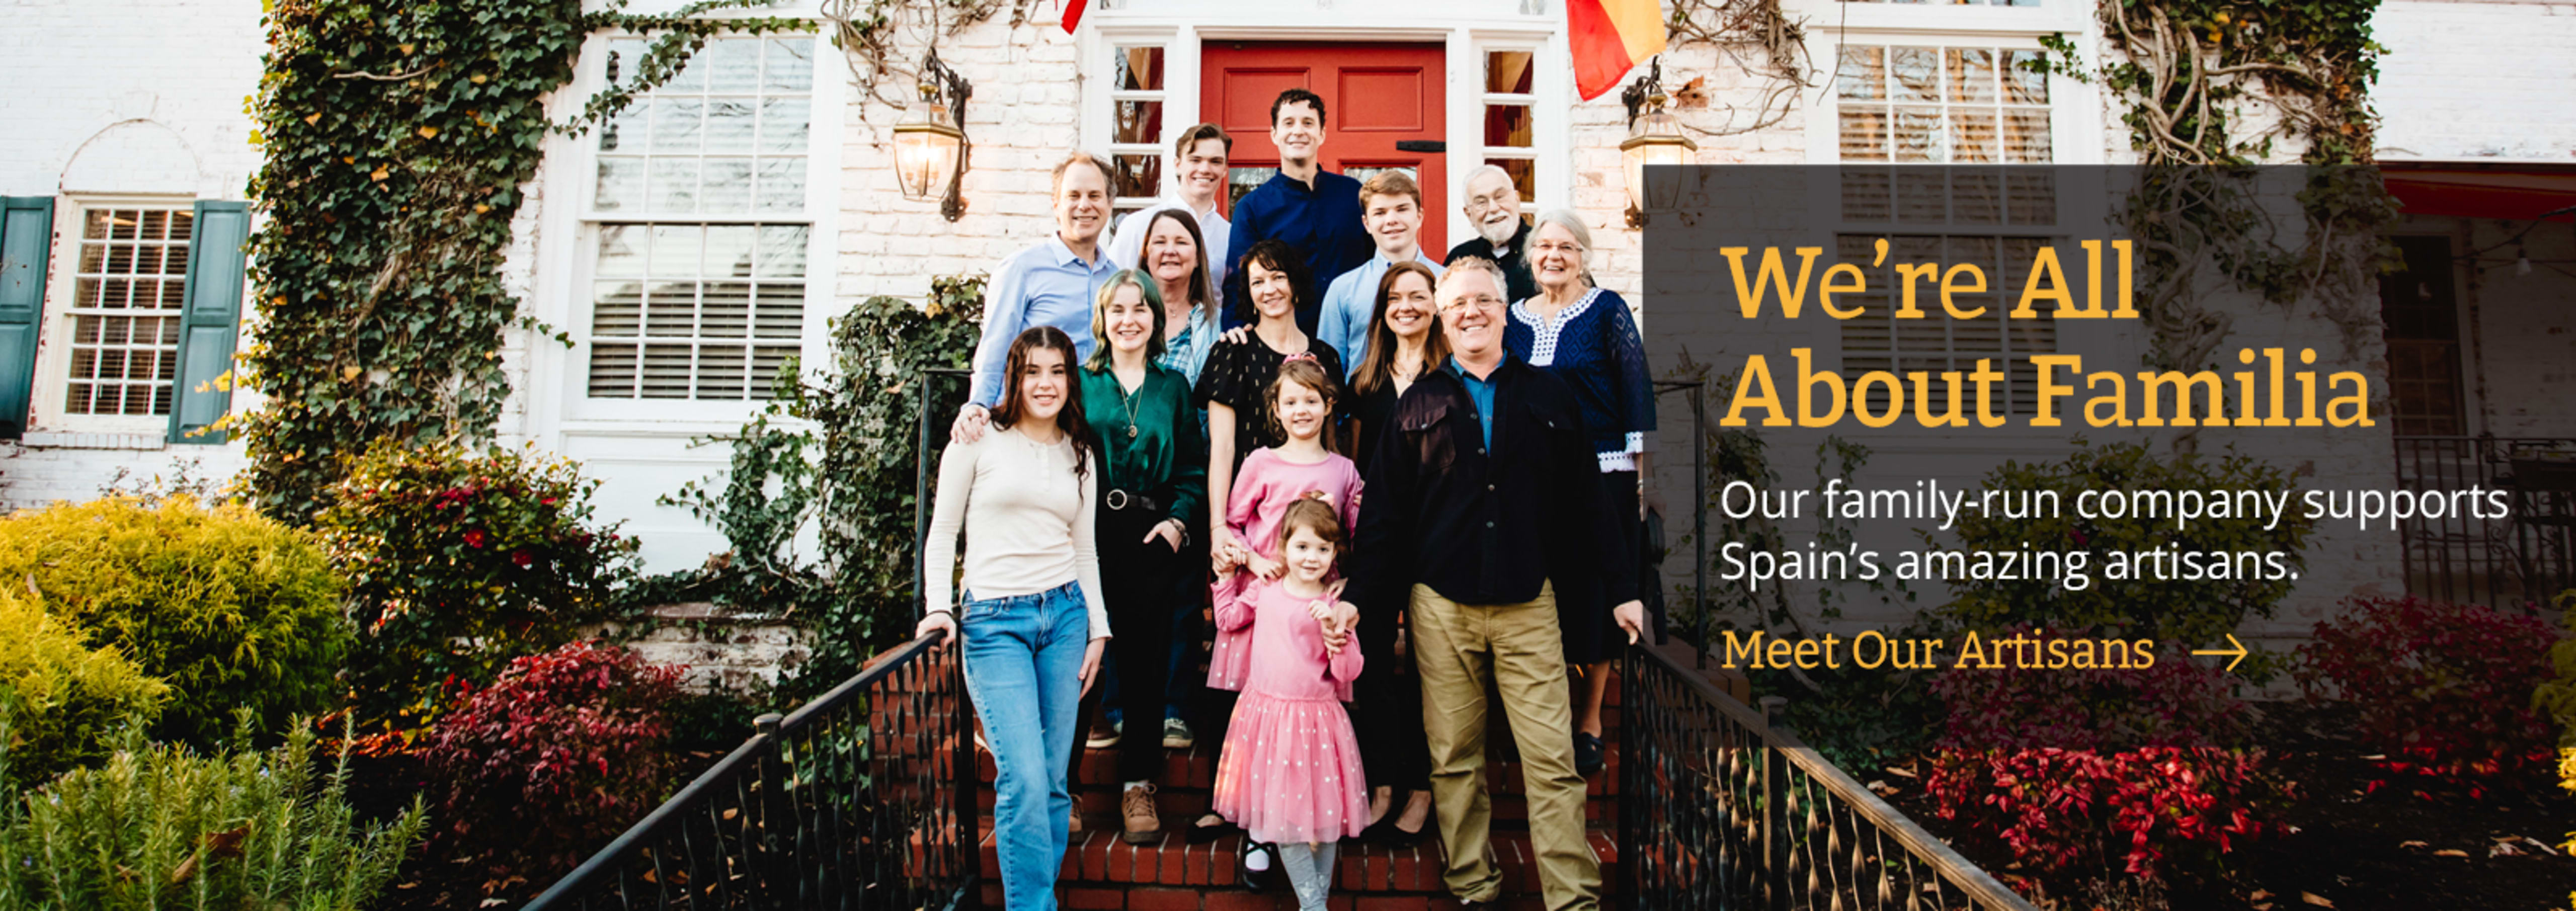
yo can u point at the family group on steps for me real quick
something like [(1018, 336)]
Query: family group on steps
[(1168, 424)]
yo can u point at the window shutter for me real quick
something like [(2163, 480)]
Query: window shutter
[(207, 326), (26, 239)]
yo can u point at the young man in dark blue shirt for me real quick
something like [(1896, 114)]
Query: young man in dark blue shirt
[(1312, 209)]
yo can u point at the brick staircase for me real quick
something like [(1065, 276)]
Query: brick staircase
[(1104, 873)]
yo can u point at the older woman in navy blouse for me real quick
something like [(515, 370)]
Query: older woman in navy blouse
[(1585, 336)]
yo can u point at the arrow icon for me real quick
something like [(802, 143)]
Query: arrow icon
[(2239, 652)]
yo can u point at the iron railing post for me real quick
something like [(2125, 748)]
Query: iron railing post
[(776, 828), (1775, 811), (967, 780), (1699, 522)]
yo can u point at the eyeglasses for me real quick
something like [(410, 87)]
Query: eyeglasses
[(1479, 301), (1546, 247), (1506, 197)]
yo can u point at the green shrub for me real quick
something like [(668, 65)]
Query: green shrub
[(63, 699), (2168, 609), (161, 826), (459, 561), (231, 609)]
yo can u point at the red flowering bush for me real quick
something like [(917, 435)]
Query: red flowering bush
[(458, 561), (2444, 690), (556, 757), (2136, 768)]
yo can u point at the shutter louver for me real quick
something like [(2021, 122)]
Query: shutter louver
[(210, 324), (26, 241)]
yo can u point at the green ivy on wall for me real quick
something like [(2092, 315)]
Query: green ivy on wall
[(837, 452), (398, 141), (2208, 87)]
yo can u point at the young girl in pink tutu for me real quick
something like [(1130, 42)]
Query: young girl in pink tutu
[(1290, 774)]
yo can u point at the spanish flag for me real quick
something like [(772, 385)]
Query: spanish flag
[(1609, 38), (1073, 14)]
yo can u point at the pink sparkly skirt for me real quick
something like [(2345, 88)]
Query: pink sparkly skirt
[(1291, 771)]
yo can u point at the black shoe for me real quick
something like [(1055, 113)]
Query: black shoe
[(1202, 834), (1587, 754), (1385, 832), (1261, 880)]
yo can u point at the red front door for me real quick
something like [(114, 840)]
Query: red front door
[(1375, 95)]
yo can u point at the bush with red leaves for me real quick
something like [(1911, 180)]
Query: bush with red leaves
[(2444, 690), (555, 758), (2135, 769)]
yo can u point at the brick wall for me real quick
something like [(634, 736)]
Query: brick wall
[(2476, 80)]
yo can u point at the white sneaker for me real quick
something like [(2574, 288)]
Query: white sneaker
[(1177, 734)]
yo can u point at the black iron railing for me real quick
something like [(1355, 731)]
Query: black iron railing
[(1721, 810), (2508, 561), (851, 801)]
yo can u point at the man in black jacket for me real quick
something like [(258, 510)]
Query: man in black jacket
[(1477, 517)]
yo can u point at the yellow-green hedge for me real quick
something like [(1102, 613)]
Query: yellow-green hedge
[(61, 699), (229, 608)]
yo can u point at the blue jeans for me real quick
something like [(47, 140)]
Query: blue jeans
[(1024, 671)]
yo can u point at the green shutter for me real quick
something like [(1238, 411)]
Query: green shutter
[(26, 239), (207, 326)]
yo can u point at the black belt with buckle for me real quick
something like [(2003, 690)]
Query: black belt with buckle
[(1120, 499)]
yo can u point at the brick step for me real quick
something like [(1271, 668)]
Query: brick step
[(1101, 871), (1188, 776)]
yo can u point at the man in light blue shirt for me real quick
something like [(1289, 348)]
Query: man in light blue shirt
[(1391, 208), (1050, 284)]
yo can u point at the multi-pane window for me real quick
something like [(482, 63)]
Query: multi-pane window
[(698, 265), (1952, 2), (1941, 105), (1136, 130), (1511, 105), (127, 293), (1993, 218)]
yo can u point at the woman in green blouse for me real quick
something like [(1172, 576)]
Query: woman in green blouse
[(1154, 479)]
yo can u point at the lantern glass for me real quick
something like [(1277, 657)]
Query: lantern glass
[(925, 152), (1657, 139)]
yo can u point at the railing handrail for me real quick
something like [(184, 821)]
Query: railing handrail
[(606, 860), (1947, 863)]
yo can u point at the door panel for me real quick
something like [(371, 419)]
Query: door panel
[(1375, 95)]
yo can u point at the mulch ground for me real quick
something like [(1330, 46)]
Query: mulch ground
[(2344, 845), (381, 787)]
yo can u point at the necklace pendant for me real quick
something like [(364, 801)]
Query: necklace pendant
[(1131, 431)]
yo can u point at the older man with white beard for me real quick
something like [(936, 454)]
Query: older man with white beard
[(1494, 209)]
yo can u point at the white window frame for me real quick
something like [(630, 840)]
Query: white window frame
[(1536, 153), (46, 412), (1465, 28), (567, 269), (1158, 150)]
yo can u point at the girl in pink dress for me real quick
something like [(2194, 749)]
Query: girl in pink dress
[(1291, 774), (1247, 547)]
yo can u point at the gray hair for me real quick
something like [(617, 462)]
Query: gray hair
[(1484, 169), (1573, 224), (1471, 263)]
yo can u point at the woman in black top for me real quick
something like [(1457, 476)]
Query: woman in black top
[(1234, 387), (1404, 344)]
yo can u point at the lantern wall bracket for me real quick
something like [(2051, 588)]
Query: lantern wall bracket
[(953, 90)]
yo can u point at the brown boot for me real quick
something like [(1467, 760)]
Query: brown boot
[(1143, 824)]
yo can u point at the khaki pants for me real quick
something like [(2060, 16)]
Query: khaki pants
[(1458, 649)]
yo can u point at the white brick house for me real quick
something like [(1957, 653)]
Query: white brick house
[(119, 110)]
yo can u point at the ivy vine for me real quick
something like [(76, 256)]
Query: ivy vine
[(398, 141), (837, 452), (2194, 75), (1761, 40), (877, 37)]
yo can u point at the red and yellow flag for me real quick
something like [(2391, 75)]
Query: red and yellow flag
[(1610, 37), (1073, 14)]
